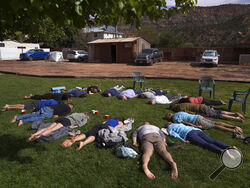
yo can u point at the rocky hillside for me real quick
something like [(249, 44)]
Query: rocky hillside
[(223, 25)]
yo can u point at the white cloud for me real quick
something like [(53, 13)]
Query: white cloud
[(213, 2)]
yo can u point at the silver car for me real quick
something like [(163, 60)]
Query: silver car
[(210, 57), (77, 55)]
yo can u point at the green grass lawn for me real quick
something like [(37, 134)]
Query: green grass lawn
[(47, 164)]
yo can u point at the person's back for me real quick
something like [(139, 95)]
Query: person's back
[(195, 100), (49, 102), (187, 107), (179, 117), (61, 109), (112, 91), (162, 99)]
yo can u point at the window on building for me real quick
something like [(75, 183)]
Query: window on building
[(2, 45)]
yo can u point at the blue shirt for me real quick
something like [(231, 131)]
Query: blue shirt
[(112, 91), (49, 102), (180, 131), (112, 122), (179, 117)]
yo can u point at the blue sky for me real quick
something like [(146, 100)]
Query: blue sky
[(213, 2)]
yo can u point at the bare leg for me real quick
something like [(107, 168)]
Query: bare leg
[(69, 142), (28, 97), (168, 158), (224, 116), (145, 160), (228, 125), (85, 142), (232, 114), (14, 106), (45, 131)]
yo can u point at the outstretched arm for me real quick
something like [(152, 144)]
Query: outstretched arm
[(135, 142), (192, 125)]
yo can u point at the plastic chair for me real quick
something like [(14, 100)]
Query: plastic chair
[(242, 100), (206, 84), (139, 77)]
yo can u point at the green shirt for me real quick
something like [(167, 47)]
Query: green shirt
[(77, 119)]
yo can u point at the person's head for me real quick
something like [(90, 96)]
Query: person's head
[(169, 123), (142, 96), (87, 115), (169, 116), (123, 97), (109, 95), (65, 96), (71, 105), (93, 90), (83, 95), (146, 123), (120, 119), (152, 101)]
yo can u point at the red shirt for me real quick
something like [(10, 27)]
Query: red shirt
[(195, 100)]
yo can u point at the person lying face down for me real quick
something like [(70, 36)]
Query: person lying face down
[(92, 134), (72, 121), (198, 121), (163, 99), (35, 105), (201, 100), (55, 96), (115, 91), (195, 136), (152, 138), (208, 111), (129, 94), (76, 92), (45, 112)]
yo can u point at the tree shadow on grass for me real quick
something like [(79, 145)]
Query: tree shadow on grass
[(11, 146)]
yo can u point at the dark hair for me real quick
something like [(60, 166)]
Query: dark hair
[(142, 96), (184, 100), (65, 96), (120, 97), (120, 119), (83, 95)]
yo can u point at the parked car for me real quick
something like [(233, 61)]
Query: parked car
[(34, 54), (210, 57), (149, 56), (77, 55)]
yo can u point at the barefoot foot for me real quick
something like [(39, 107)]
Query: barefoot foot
[(240, 115), (14, 119), (80, 146), (20, 123), (174, 171), (149, 174)]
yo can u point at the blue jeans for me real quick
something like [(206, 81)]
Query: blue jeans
[(201, 139), (158, 92), (137, 92), (43, 113)]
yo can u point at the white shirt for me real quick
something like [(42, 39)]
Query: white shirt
[(162, 99)]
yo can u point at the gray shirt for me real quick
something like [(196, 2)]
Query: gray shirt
[(146, 129), (148, 94), (78, 119)]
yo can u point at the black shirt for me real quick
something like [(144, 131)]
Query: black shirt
[(61, 109)]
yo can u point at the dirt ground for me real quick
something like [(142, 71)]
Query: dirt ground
[(183, 70)]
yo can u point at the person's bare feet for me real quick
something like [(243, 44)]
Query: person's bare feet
[(239, 119), (174, 171), (222, 102), (67, 143), (5, 108), (32, 138), (240, 115), (148, 173), (80, 146), (239, 129), (20, 123), (14, 119)]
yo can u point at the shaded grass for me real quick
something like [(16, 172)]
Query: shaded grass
[(49, 165)]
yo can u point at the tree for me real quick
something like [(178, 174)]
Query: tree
[(170, 40), (88, 12), (148, 33)]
